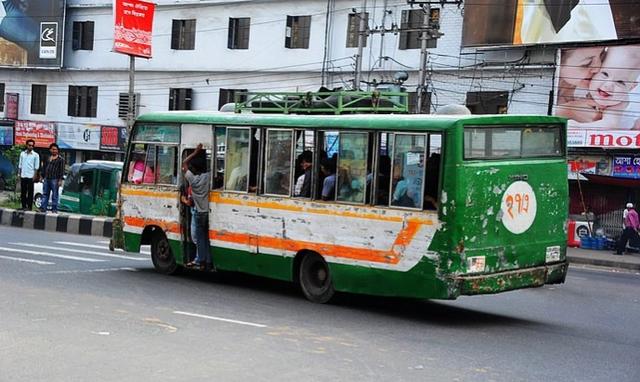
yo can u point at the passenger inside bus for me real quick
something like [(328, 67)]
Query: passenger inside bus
[(328, 169), (303, 182)]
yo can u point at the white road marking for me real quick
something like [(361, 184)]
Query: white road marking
[(99, 246), (51, 255), (80, 251), (26, 260), (220, 319), (91, 270)]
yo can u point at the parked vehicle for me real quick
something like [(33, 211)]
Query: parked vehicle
[(91, 188)]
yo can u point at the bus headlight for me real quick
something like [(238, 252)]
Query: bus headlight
[(553, 254)]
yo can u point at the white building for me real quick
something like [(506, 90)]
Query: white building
[(205, 49)]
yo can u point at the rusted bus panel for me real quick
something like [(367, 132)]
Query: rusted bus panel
[(511, 280)]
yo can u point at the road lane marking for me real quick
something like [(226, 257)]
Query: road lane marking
[(80, 251), (98, 246), (8, 249), (26, 260), (74, 271), (220, 319)]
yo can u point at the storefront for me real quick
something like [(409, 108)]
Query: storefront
[(83, 142)]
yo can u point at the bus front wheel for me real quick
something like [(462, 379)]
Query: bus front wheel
[(315, 279), (161, 255)]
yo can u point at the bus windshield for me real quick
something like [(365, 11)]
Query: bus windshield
[(512, 142)]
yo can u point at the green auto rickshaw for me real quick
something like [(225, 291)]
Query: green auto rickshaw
[(91, 188)]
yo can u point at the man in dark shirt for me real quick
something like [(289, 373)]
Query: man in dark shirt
[(52, 175)]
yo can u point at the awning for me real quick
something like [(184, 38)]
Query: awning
[(612, 180)]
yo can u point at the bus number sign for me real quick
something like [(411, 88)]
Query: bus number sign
[(518, 207)]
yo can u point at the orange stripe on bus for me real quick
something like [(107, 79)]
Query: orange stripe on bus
[(172, 227), (148, 193)]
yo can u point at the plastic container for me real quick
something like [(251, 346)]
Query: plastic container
[(586, 242)]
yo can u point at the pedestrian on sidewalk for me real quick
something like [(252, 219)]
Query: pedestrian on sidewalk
[(630, 232), (195, 172), (28, 166), (52, 176)]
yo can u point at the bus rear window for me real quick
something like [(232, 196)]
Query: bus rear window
[(512, 142)]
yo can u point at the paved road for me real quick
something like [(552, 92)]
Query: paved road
[(72, 311)]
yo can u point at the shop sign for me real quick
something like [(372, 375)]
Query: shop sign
[(6, 135), (588, 164), (604, 139), (626, 166), (113, 138), (11, 111), (77, 136), (133, 23), (42, 132)]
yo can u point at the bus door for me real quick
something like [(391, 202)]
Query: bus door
[(191, 136)]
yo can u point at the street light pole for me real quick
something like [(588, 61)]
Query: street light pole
[(362, 35)]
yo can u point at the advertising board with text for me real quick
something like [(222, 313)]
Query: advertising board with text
[(42, 132), (6, 135), (133, 23), (31, 33), (113, 138), (598, 92), (522, 22), (78, 136)]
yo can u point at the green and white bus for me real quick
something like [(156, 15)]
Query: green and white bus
[(419, 206)]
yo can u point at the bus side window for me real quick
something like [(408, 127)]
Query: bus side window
[(236, 173), (166, 169), (220, 152), (137, 160), (383, 169), (328, 143), (352, 167), (432, 172), (303, 166), (277, 176), (408, 170), (254, 158)]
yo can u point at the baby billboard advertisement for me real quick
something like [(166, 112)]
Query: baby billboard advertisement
[(31, 33), (597, 91)]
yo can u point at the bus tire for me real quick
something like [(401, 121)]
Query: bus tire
[(161, 255), (315, 279)]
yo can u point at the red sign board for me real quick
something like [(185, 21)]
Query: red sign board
[(43, 133), (133, 24), (113, 138), (12, 106)]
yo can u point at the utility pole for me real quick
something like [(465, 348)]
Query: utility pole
[(362, 35), (131, 100), (424, 58)]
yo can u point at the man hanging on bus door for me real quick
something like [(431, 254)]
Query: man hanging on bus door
[(195, 171)]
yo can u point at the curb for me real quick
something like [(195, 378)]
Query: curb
[(604, 263), (67, 223)]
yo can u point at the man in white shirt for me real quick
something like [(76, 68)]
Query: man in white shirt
[(28, 167)]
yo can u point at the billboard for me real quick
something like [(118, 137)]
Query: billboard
[(521, 22), (598, 92), (43, 133), (113, 138), (133, 22), (627, 166), (31, 33), (77, 136), (6, 135)]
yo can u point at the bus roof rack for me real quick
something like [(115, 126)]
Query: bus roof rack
[(323, 102)]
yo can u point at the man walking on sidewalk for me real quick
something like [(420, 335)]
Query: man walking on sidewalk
[(52, 174), (630, 232), (28, 166)]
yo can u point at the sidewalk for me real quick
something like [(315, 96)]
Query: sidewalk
[(604, 258)]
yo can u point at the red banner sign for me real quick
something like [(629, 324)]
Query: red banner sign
[(43, 133), (133, 25)]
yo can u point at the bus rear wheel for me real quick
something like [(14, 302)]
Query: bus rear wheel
[(162, 256), (315, 279)]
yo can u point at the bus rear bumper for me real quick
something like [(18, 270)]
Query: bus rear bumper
[(511, 280)]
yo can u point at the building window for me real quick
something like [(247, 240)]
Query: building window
[(1, 97), (487, 102), (83, 35), (413, 19), (183, 34), (413, 103), (229, 95), (180, 98), (297, 32), (238, 33), (38, 99), (354, 27), (83, 101)]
